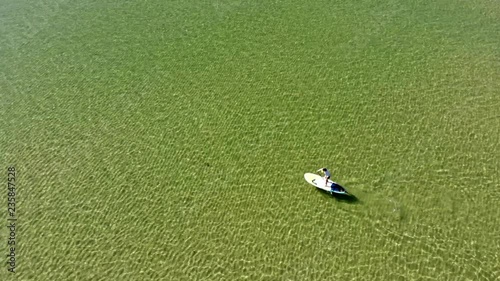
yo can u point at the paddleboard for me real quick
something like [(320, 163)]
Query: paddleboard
[(319, 182)]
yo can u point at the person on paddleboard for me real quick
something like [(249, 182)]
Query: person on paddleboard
[(326, 174)]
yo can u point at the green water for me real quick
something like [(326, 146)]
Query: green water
[(167, 140)]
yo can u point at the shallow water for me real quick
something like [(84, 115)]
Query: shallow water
[(168, 141)]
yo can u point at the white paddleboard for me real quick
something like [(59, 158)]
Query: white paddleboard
[(319, 182)]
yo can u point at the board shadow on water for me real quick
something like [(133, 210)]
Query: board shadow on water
[(347, 198)]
